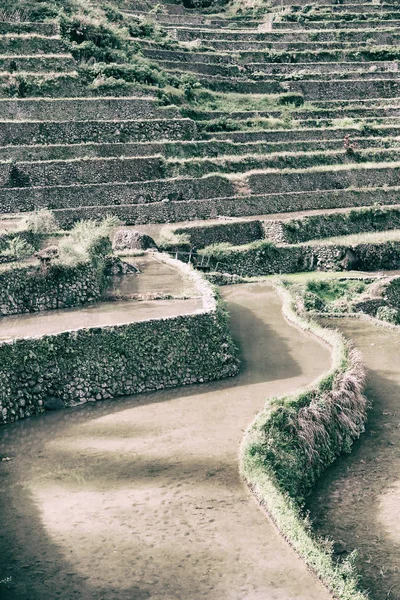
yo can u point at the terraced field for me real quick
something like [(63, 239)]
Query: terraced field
[(251, 143), (287, 89)]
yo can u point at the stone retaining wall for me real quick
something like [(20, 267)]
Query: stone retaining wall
[(236, 233), (98, 363), (78, 109), (264, 258), (189, 209), (73, 132), (293, 231), (83, 171), (31, 289), (281, 190)]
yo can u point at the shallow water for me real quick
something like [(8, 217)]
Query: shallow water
[(155, 277), (99, 314), (357, 501), (141, 497)]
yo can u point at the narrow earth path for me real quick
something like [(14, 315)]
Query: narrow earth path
[(357, 501), (141, 498)]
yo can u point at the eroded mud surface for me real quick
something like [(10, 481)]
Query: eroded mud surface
[(141, 498), (357, 502)]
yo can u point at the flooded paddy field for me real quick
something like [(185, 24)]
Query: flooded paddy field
[(141, 498), (357, 500)]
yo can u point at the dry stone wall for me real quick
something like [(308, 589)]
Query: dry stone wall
[(235, 233), (266, 259), (94, 364), (31, 289)]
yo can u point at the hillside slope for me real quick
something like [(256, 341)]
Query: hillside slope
[(161, 114)]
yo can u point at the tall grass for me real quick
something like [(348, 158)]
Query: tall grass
[(88, 240), (295, 438)]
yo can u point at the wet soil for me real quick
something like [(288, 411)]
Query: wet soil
[(141, 498), (357, 501)]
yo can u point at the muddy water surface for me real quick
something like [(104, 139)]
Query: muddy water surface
[(155, 277), (357, 502), (99, 314), (141, 498)]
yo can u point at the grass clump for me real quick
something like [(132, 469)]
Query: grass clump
[(376, 237), (40, 221), (169, 239), (296, 438), (329, 290), (17, 248), (87, 241), (388, 314)]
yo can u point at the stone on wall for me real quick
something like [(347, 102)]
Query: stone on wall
[(131, 239)]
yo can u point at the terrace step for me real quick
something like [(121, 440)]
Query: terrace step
[(362, 55), (326, 4), (329, 24), (221, 45), (160, 54), (233, 206), (198, 167), (21, 27), (142, 192), (83, 109), (311, 89), (283, 71), (340, 10), (354, 71), (185, 149), (272, 181), (358, 112), (379, 35), (81, 171), (15, 133), (312, 133), (37, 63), (132, 169), (30, 44), (170, 20), (59, 85), (321, 67)]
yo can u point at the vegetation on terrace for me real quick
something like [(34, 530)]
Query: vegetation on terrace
[(285, 123)]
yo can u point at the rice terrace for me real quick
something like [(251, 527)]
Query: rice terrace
[(200, 300)]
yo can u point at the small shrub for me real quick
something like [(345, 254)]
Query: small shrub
[(349, 146), (170, 95), (17, 178), (291, 98), (40, 221), (390, 315), (88, 240), (313, 302), (18, 249), (189, 83)]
